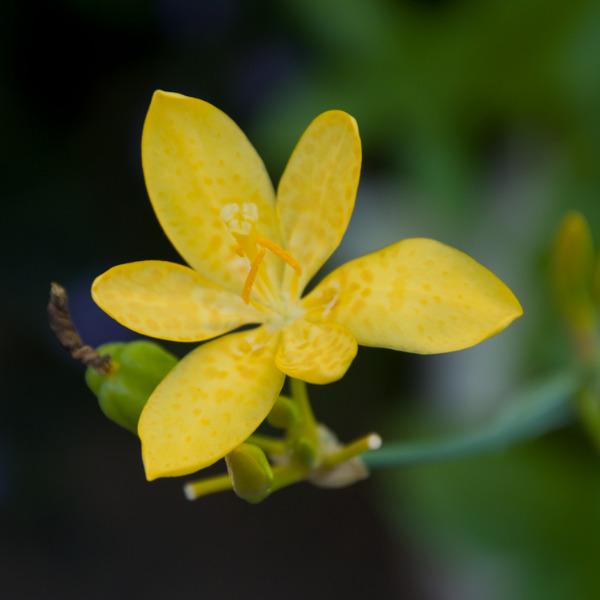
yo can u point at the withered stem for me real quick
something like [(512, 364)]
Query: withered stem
[(63, 327)]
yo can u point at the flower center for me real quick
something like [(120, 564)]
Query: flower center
[(241, 221)]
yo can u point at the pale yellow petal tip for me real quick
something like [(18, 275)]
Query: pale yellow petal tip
[(159, 95), (172, 100), (158, 466), (514, 311), (96, 290), (517, 307), (336, 114), (151, 476), (519, 310), (165, 103), (150, 471), (154, 470)]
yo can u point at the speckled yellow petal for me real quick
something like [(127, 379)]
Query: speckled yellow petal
[(209, 403), (417, 295), (169, 301), (316, 352), (316, 194), (197, 160)]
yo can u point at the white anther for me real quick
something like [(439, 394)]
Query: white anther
[(250, 212), (229, 211), (240, 218)]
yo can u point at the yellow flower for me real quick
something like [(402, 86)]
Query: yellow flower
[(251, 253)]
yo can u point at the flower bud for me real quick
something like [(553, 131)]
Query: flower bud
[(250, 473), (284, 413), (136, 369), (306, 452), (573, 271)]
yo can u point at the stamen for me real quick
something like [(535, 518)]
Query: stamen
[(241, 220), (252, 274), (279, 251)]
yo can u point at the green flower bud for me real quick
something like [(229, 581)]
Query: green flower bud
[(284, 413), (305, 451), (250, 473), (136, 369), (573, 271)]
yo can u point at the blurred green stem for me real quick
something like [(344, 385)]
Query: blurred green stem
[(540, 408)]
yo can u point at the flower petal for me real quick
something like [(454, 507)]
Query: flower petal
[(316, 352), (316, 194), (169, 301), (209, 403), (196, 160), (417, 295)]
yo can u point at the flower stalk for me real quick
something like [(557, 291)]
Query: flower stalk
[(307, 452)]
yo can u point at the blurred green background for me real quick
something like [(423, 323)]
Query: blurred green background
[(480, 123)]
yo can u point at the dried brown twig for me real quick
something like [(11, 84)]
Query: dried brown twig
[(63, 327)]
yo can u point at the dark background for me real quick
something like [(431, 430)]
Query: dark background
[(480, 124)]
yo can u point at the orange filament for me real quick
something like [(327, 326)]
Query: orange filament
[(264, 245), (279, 251), (252, 275)]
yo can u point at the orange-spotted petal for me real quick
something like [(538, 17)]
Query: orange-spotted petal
[(316, 194), (196, 162), (169, 301), (417, 295), (315, 352), (209, 403)]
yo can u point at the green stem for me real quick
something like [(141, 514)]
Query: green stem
[(304, 438), (359, 446), (204, 487), (300, 394), (287, 475), (268, 444), (540, 408)]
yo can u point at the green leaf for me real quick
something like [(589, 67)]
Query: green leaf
[(540, 408)]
